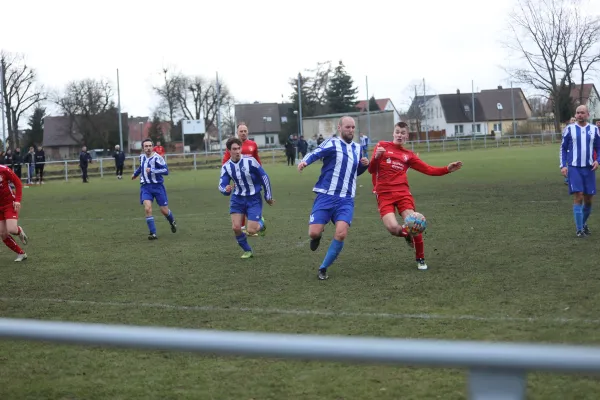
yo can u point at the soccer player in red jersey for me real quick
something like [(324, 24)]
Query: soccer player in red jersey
[(249, 148), (10, 204), (389, 165), (158, 149)]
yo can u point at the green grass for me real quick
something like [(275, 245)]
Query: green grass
[(500, 243)]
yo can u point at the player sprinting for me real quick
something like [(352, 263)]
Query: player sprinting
[(389, 165), (579, 143), (248, 177), (335, 189), (151, 171), (250, 149), (10, 205)]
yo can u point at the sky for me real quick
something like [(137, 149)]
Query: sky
[(257, 46)]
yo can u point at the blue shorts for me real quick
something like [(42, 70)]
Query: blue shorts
[(250, 206), (151, 191), (582, 179), (331, 208)]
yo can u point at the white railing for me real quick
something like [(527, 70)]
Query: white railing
[(101, 167), (496, 370)]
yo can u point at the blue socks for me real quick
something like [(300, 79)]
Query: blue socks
[(243, 242), (151, 225), (335, 248), (170, 217), (578, 216), (587, 210), (261, 224)]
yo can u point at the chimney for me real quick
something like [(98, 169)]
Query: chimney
[(457, 91), (499, 87)]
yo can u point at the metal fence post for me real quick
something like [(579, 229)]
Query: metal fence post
[(66, 171), (195, 168), (101, 169)]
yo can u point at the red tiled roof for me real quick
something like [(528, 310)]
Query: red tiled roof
[(382, 103)]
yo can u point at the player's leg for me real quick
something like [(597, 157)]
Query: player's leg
[(418, 242), (146, 198), (588, 195), (320, 215), (255, 222), (342, 217), (237, 210), (577, 188), (5, 234), (163, 201), (13, 228)]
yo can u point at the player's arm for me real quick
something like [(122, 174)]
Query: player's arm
[(597, 144), (138, 170), (374, 164), (255, 155), (565, 144), (224, 181), (160, 167), (12, 177), (226, 156), (424, 168), (361, 168), (326, 148), (264, 179)]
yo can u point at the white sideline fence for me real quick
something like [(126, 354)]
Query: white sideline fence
[(69, 169), (495, 370)]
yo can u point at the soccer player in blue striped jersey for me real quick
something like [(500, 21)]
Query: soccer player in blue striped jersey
[(248, 177), (578, 163), (364, 145), (335, 189), (151, 171)]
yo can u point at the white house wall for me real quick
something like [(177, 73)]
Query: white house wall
[(594, 105)]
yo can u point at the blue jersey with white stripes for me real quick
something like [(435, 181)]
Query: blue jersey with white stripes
[(578, 145), (341, 166), (158, 168), (248, 176), (364, 141)]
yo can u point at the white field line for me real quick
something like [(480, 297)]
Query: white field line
[(296, 312)]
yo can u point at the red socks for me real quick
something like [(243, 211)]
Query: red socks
[(11, 244), (419, 246)]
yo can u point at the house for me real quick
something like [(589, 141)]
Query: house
[(383, 104), (416, 113), (381, 125), (455, 114), (139, 128), (493, 99), (590, 98), (263, 121)]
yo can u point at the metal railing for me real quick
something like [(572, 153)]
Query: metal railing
[(496, 370), (69, 169)]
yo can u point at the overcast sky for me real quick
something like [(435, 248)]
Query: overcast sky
[(256, 46)]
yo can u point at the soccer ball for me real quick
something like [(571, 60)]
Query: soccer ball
[(415, 223)]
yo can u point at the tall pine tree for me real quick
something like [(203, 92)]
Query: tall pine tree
[(373, 106), (155, 131), (341, 93), (35, 133)]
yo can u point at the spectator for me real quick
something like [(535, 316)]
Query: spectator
[(84, 159), (29, 159), (302, 147), (8, 159), (17, 160), (312, 143), (320, 140), (119, 161), (40, 161), (290, 151)]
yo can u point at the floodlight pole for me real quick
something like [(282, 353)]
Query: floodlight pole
[(2, 105), (219, 117), (119, 107)]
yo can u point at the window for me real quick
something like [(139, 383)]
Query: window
[(498, 127), (476, 128), (269, 119), (467, 109), (284, 120), (458, 129)]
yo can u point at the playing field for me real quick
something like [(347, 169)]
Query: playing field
[(504, 265)]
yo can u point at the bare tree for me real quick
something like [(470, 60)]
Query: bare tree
[(20, 91), (552, 38), (169, 93), (91, 110)]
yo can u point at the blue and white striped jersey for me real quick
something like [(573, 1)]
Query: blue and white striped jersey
[(364, 141), (578, 145), (248, 176), (341, 166), (158, 168)]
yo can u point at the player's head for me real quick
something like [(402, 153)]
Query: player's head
[(582, 114), (346, 126), (598, 123), (573, 120), (234, 145), (242, 131), (158, 142), (400, 133), (147, 146), (117, 147)]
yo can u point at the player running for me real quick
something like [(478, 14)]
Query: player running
[(389, 165), (10, 205), (248, 177)]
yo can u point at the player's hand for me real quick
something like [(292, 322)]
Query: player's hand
[(595, 166), (364, 161), (455, 166), (16, 206), (302, 165), (133, 177), (270, 202), (228, 189), (148, 170), (564, 170), (379, 151)]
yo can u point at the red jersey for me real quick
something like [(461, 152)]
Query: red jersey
[(249, 148), (7, 196), (159, 150), (391, 167)]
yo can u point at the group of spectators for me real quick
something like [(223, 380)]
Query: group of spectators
[(297, 148), (33, 161)]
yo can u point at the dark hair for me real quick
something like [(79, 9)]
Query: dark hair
[(401, 124), (147, 140), (232, 141)]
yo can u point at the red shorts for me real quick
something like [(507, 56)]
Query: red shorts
[(389, 202), (8, 212)]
